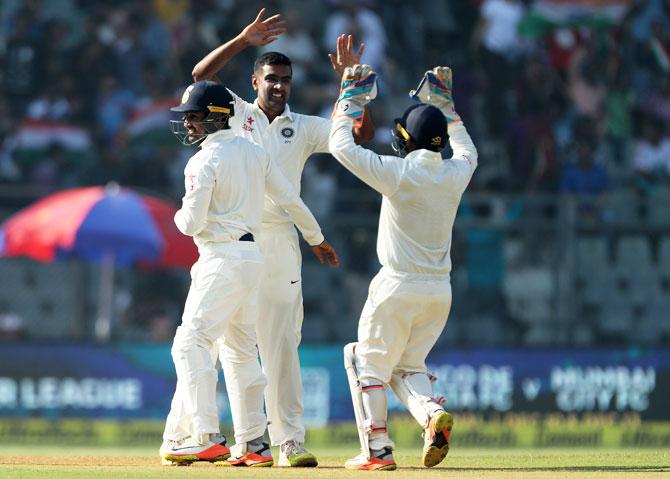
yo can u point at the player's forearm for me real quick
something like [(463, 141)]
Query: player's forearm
[(363, 163), (191, 218), (366, 131), (305, 221), (214, 61), (189, 222), (461, 143), (278, 188)]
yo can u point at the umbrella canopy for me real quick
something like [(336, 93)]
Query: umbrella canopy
[(95, 223)]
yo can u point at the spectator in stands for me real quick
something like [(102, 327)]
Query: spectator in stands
[(20, 65), (362, 23), (298, 45), (497, 46), (657, 102), (586, 180), (651, 156), (618, 106), (586, 87)]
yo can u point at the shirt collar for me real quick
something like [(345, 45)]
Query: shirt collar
[(424, 155), (285, 114), (216, 137)]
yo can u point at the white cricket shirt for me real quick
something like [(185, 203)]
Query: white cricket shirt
[(289, 140), (226, 182), (421, 196)]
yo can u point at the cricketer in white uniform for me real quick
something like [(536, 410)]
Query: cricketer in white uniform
[(289, 138), (409, 299), (226, 183)]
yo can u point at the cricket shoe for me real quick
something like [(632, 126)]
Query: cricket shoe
[(293, 454), (436, 438), (379, 460), (186, 451), (247, 455)]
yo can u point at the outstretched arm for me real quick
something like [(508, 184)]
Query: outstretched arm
[(283, 194), (258, 33), (436, 88), (346, 56), (359, 86)]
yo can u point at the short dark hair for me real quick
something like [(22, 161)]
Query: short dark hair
[(272, 58)]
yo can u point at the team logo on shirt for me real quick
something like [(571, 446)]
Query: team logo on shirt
[(287, 132), (247, 126)]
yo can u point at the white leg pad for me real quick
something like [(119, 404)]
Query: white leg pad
[(370, 405), (416, 393)]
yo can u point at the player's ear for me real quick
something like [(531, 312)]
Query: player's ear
[(254, 82)]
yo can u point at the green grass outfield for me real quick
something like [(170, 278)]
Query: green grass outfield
[(79, 462)]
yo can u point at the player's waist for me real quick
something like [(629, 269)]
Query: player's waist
[(244, 248), (415, 276)]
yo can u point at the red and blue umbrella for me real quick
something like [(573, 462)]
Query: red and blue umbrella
[(95, 224), (110, 225)]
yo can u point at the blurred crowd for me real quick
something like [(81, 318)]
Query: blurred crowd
[(557, 99), (560, 97)]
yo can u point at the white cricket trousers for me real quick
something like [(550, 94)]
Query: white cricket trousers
[(278, 331), (401, 321), (221, 308)]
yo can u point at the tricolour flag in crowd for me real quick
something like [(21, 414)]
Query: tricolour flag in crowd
[(149, 124), (35, 136)]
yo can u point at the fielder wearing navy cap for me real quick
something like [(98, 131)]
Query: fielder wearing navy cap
[(424, 125), (206, 96), (215, 104)]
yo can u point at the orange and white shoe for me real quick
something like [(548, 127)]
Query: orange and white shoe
[(436, 438), (378, 461), (247, 455), (186, 451)]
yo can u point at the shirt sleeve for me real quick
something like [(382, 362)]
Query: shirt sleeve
[(280, 190), (383, 173), (464, 161), (199, 179), (462, 145)]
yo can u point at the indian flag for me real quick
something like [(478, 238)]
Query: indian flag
[(34, 137), (150, 123), (546, 15)]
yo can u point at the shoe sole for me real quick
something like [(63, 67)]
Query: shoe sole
[(244, 464), (189, 459), (248, 461), (372, 467), (434, 454), (306, 460)]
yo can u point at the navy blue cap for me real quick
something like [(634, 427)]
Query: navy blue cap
[(426, 125), (206, 96)]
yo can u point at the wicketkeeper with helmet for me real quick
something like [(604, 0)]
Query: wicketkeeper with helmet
[(410, 298), (225, 182)]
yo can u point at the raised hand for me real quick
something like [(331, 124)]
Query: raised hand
[(359, 84), (261, 32), (345, 56), (358, 88), (436, 88)]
